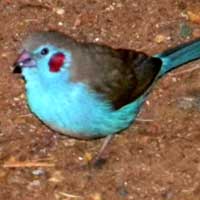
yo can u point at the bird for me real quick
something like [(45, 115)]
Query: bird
[(88, 90)]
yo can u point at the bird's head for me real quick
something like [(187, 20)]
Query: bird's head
[(44, 59)]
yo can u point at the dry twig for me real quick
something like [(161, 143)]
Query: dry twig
[(28, 164)]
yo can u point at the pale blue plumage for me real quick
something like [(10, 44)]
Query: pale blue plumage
[(73, 109)]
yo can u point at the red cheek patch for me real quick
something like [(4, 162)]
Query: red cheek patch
[(56, 62)]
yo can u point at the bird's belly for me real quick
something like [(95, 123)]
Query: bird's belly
[(59, 116), (81, 115)]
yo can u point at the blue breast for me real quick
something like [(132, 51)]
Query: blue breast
[(74, 110)]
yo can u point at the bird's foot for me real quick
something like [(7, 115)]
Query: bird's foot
[(100, 159)]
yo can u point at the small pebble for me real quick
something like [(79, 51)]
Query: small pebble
[(60, 23), (157, 26), (160, 38), (148, 103), (80, 158), (16, 99), (96, 39), (22, 96), (38, 172), (96, 196), (174, 79), (110, 8), (60, 11)]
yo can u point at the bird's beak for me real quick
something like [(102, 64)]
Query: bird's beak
[(24, 60)]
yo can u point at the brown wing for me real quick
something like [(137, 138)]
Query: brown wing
[(120, 75)]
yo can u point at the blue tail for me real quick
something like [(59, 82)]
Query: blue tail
[(178, 56)]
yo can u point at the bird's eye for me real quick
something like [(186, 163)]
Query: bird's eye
[(44, 51)]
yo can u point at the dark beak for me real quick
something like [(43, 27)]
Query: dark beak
[(17, 69), (24, 60)]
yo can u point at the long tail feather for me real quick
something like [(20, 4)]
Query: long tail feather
[(178, 56)]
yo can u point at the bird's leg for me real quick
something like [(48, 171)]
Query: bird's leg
[(99, 159)]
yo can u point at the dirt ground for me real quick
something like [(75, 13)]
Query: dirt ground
[(156, 158)]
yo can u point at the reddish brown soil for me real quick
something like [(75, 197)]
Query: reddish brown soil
[(157, 159)]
